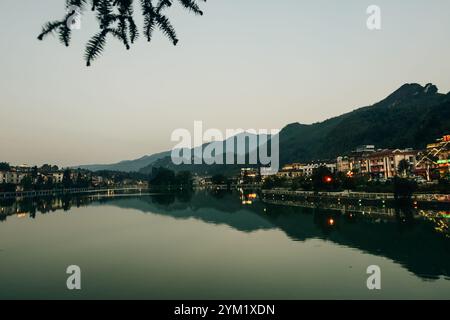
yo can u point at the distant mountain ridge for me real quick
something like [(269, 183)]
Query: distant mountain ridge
[(127, 165), (411, 116)]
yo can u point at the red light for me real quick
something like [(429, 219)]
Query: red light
[(328, 179), (331, 222)]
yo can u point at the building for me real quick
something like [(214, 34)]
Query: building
[(12, 177), (296, 170), (249, 176), (378, 164), (2, 177), (368, 148), (57, 177), (385, 163), (308, 169), (293, 170), (435, 159), (357, 161)]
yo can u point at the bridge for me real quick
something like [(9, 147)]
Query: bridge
[(56, 192)]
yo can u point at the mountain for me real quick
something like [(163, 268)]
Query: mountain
[(127, 165), (410, 117), (204, 169)]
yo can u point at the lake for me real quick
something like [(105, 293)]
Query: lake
[(219, 245)]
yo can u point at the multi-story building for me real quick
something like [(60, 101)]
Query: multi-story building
[(357, 161), (57, 177), (385, 163), (12, 177), (249, 175), (365, 160), (435, 159), (295, 170), (2, 177), (308, 169)]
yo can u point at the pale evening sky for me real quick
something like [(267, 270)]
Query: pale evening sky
[(244, 64)]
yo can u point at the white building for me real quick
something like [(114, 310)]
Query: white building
[(11, 177), (57, 177)]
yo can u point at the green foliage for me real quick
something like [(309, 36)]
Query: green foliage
[(165, 179), (219, 179), (27, 183), (301, 183), (404, 188), (272, 182), (323, 179), (67, 179), (7, 187), (119, 176), (184, 180), (404, 167), (4, 166), (116, 18)]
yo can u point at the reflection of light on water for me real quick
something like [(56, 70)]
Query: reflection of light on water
[(439, 219), (21, 215), (247, 199), (445, 214)]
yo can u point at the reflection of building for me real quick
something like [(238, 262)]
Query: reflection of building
[(247, 198), (249, 175)]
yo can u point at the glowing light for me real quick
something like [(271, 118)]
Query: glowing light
[(331, 222)]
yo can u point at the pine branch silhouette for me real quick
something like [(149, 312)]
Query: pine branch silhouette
[(116, 18)]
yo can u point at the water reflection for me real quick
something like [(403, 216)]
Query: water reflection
[(417, 239)]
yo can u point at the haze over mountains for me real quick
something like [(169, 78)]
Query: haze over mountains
[(410, 117), (127, 165)]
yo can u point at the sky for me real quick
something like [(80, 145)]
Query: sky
[(251, 64)]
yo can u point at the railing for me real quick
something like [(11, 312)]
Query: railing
[(358, 195), (52, 192)]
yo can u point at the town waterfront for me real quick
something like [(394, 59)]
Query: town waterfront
[(219, 245)]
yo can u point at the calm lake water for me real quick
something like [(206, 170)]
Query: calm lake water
[(219, 246)]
